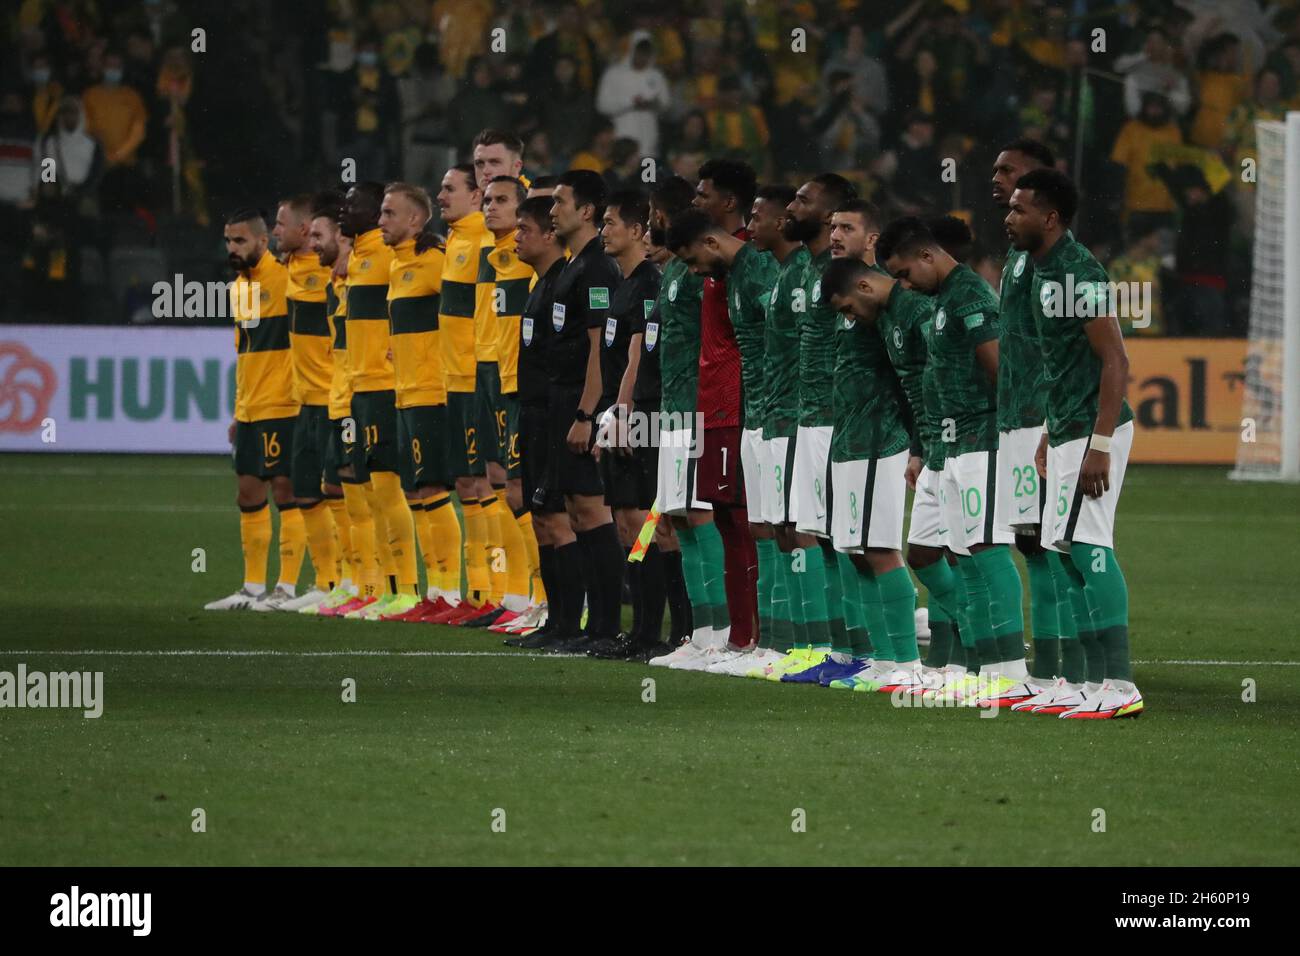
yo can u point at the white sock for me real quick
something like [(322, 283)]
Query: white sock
[(290, 588), (255, 589), (514, 602), (1016, 670)]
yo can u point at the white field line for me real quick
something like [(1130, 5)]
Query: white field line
[(36, 652)]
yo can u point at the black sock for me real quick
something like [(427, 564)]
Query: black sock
[(634, 570), (679, 602), (605, 559), (551, 582), (653, 595), (570, 580)]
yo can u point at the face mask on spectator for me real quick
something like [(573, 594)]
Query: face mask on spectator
[(112, 76), (41, 76), (367, 57)]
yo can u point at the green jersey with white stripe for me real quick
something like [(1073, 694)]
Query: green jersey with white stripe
[(749, 287), (965, 317), (788, 302)]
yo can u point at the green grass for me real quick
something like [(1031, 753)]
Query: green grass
[(97, 557)]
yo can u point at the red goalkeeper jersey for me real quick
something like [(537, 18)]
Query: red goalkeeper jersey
[(719, 395)]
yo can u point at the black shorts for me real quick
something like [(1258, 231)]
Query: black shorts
[(489, 416), (336, 455), (628, 482), (509, 440), (264, 449), (310, 444), (534, 446), (375, 449), (567, 473), (422, 439), (463, 458)]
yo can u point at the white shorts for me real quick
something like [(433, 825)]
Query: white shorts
[(812, 481), (926, 527), (968, 497), (753, 464), (778, 463), (675, 487), (1020, 493), (869, 497), (1073, 515)]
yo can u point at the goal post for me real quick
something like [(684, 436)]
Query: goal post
[(1269, 444)]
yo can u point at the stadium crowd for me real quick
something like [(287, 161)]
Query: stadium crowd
[(155, 125)]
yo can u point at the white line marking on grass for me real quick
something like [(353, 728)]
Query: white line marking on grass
[(120, 508), (234, 653), (89, 471), (261, 653)]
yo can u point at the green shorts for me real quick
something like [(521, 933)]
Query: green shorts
[(375, 418), (264, 449), (490, 422), (463, 458), (422, 439), (310, 438), (508, 425)]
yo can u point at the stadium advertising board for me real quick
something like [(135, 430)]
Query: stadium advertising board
[(115, 389), (172, 390), (1186, 397)]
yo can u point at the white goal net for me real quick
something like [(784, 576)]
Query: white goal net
[(1269, 447)]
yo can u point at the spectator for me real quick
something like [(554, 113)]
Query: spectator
[(599, 151), (850, 134), (633, 92), (917, 181), (47, 93), (77, 156), (367, 130), (1140, 262), (462, 29), (426, 93), (17, 135), (738, 130), (541, 159), (116, 115), (1200, 252), (867, 78), (1221, 87), (1152, 70), (1146, 200), (567, 110), (566, 36), (477, 105), (690, 147), (624, 169)]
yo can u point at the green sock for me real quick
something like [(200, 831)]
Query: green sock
[(767, 552), (898, 595), (1094, 654), (712, 557), (1006, 601), (836, 615), (1069, 604), (979, 614), (1046, 621), (963, 649), (941, 584), (813, 583), (693, 573), (782, 619), (940, 653), (794, 587), (873, 612), (1106, 594)]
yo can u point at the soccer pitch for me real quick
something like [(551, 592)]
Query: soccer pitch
[(242, 715)]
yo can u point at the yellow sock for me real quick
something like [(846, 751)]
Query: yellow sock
[(365, 571), (321, 543), (516, 583), (424, 534), (342, 539), (383, 547), (496, 555), (293, 545), (255, 539), (401, 529), (448, 541), (525, 522), (475, 550)]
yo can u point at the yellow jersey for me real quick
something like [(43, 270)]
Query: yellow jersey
[(369, 366), (263, 366), (459, 317), (414, 283), (336, 309), (504, 282), (309, 333)]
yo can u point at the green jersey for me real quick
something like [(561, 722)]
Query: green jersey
[(680, 294), (749, 286), (816, 346), (901, 325), (781, 346), (1071, 369), (1020, 356), (866, 397), (965, 317)]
